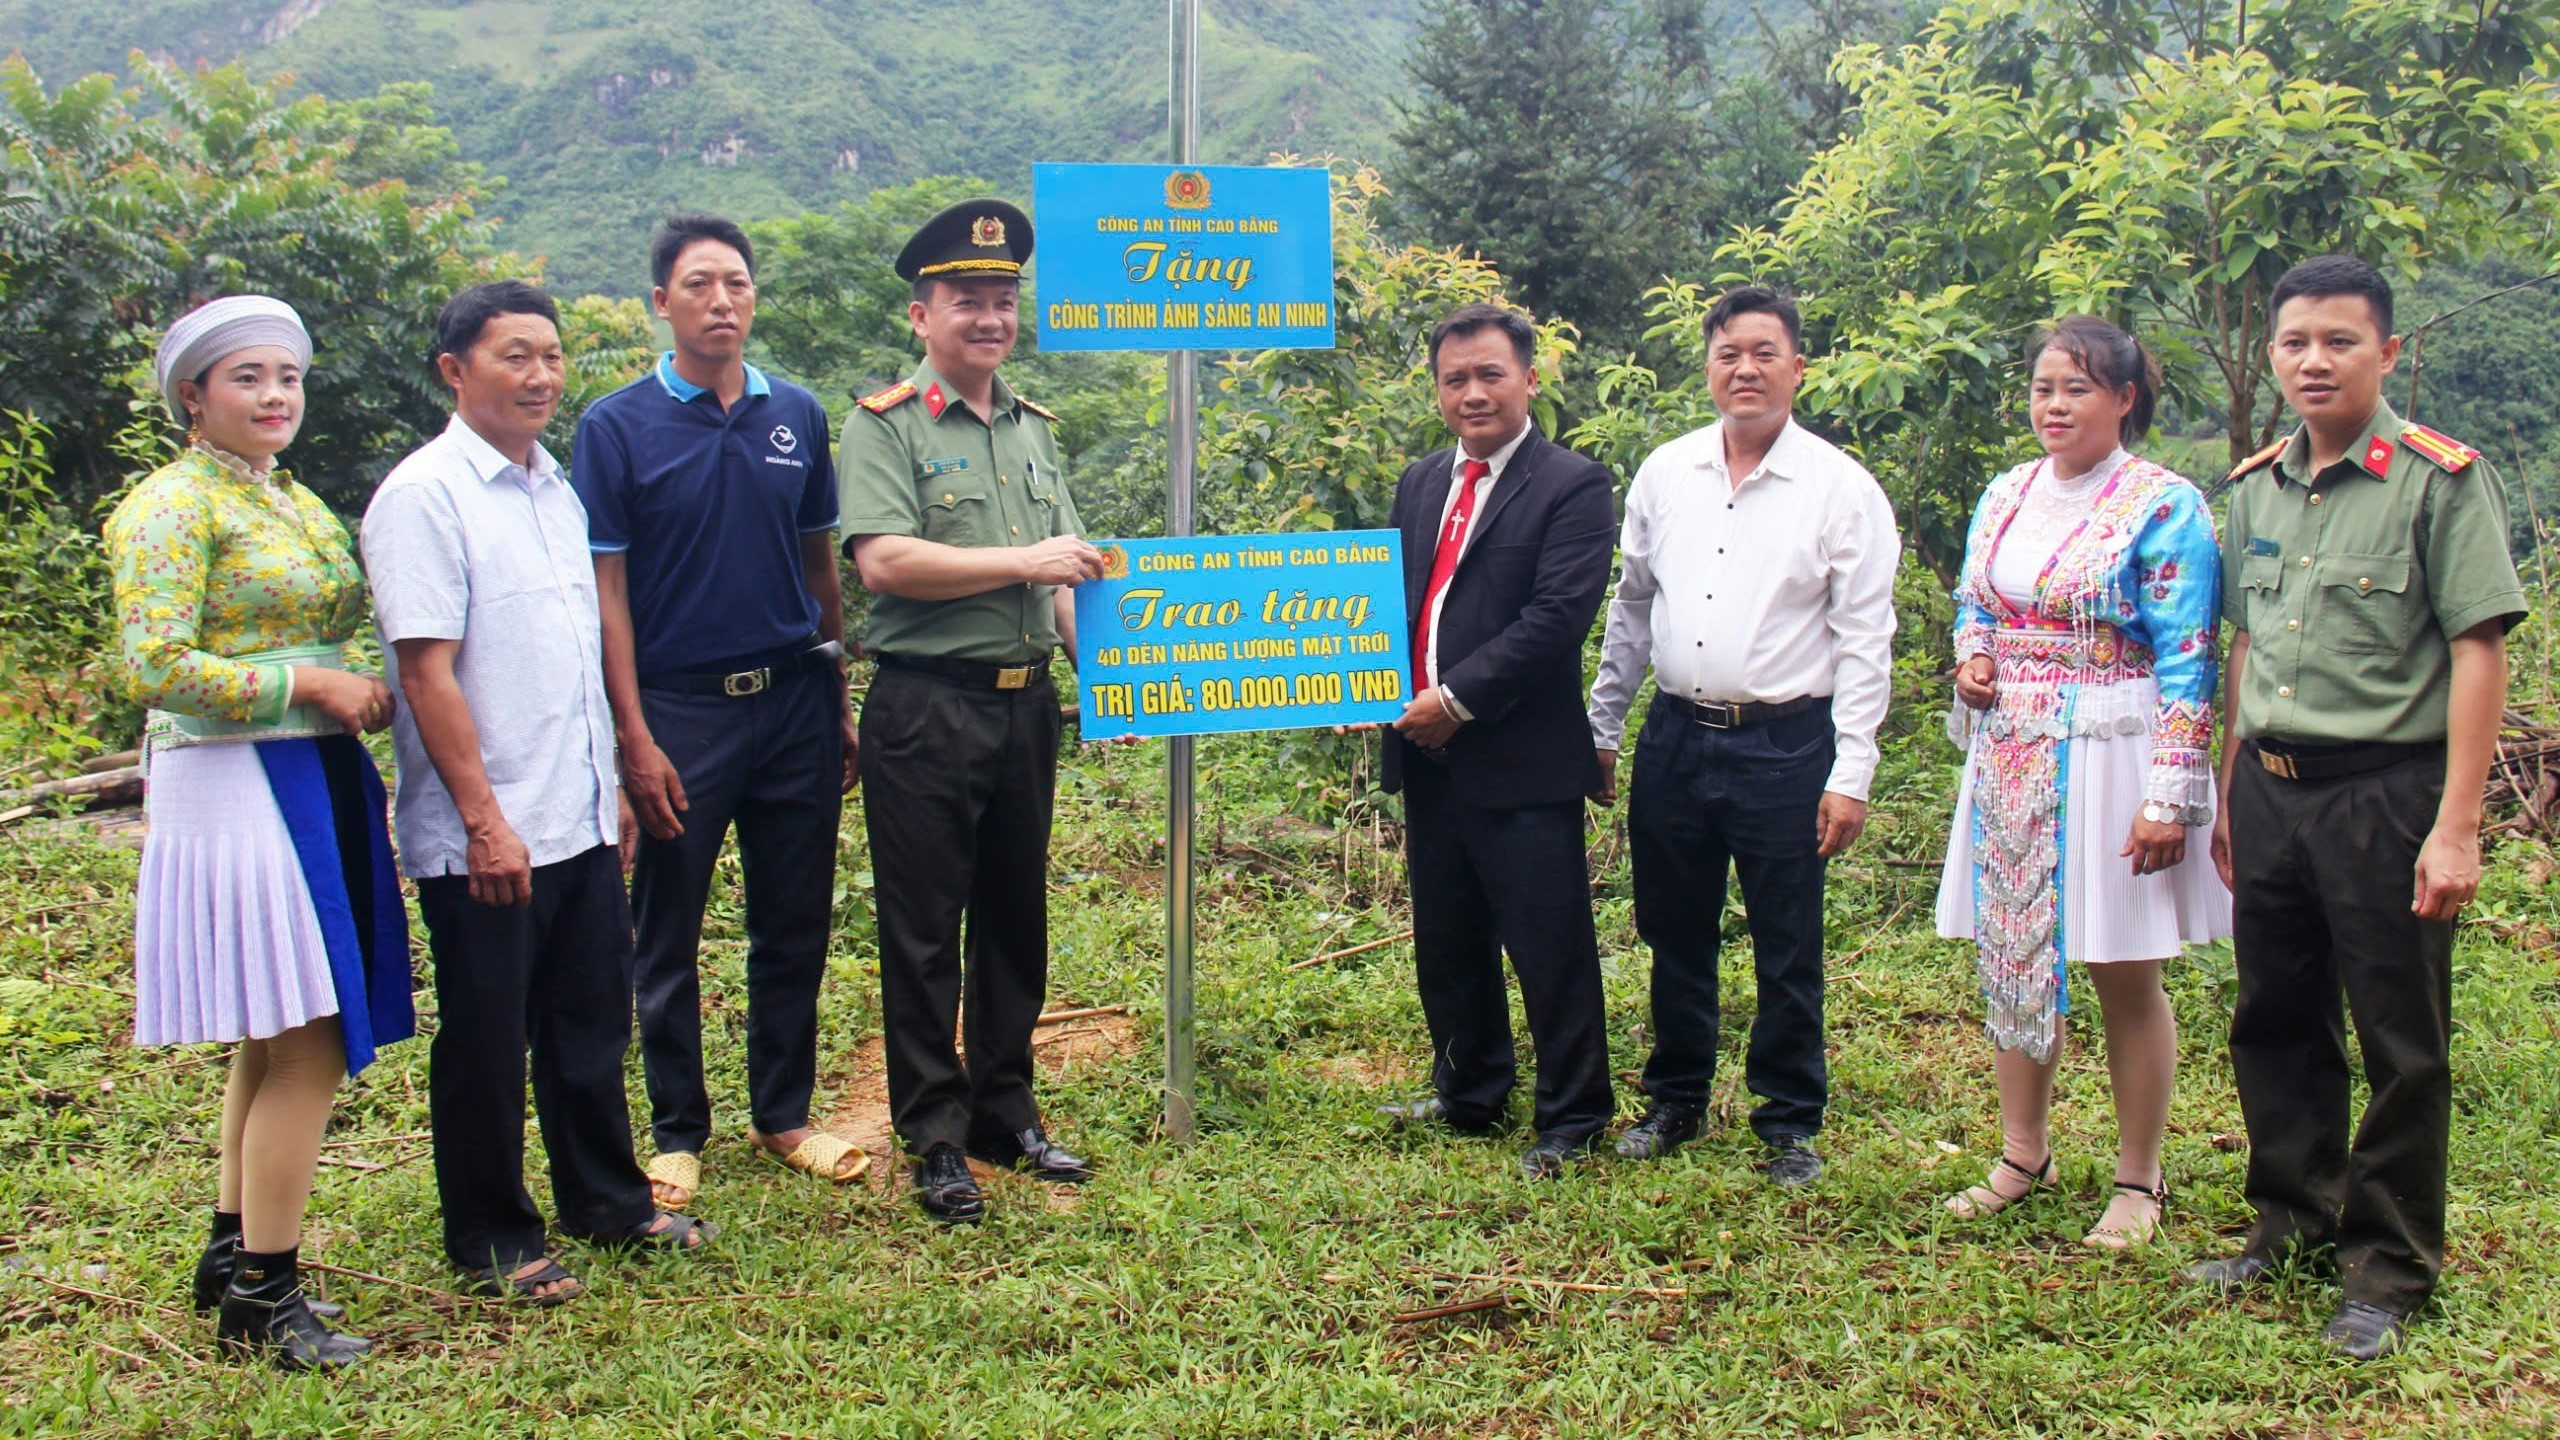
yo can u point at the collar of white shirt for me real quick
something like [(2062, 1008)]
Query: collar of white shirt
[(1792, 456), (489, 463), (1499, 458)]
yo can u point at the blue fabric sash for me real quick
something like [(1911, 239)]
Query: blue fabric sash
[(373, 996)]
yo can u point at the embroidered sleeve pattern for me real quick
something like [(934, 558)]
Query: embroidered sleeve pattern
[(2177, 602)]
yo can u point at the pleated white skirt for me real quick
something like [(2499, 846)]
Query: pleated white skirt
[(226, 943), (2108, 912)]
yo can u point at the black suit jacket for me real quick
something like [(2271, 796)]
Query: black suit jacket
[(1512, 622)]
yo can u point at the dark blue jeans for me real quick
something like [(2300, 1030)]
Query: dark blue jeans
[(1702, 800)]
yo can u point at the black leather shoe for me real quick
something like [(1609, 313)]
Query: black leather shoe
[(1663, 1129), (213, 1274), (2240, 1271), (2364, 1332), (1554, 1154), (1793, 1163), (1035, 1154), (1432, 1110), (946, 1190), (263, 1313)]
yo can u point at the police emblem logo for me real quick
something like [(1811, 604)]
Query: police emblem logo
[(987, 231), (1115, 563), (783, 440), (1187, 190)]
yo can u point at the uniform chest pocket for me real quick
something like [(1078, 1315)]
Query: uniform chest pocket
[(957, 508), (2261, 593), (2365, 607)]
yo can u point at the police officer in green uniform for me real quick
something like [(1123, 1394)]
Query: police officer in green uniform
[(2367, 576), (957, 515)]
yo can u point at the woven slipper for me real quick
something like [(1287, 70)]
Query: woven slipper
[(681, 1169), (823, 1155)]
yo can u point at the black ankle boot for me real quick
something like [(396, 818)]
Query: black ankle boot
[(213, 1268), (264, 1313), (221, 1252)]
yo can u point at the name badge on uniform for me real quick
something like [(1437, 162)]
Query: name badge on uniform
[(927, 469), (2261, 545)]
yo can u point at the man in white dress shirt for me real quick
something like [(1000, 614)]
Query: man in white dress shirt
[(1757, 581), (511, 820)]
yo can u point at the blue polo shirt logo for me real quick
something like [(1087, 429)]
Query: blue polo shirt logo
[(784, 440)]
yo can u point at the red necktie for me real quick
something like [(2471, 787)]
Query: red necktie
[(1444, 563)]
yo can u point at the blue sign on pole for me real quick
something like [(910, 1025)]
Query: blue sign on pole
[(1171, 257), (1243, 632)]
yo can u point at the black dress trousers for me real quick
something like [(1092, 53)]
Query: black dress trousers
[(2322, 874), (772, 764), (962, 780), (1486, 881), (1705, 804), (552, 979)]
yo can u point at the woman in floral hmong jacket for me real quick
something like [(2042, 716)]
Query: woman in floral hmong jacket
[(269, 912), (2085, 674)]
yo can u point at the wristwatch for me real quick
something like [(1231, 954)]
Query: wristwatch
[(2159, 814)]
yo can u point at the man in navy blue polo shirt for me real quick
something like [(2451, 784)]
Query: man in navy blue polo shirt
[(711, 509)]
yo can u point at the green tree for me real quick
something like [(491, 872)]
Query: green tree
[(1563, 140), (1314, 439), (121, 207), (1592, 148), (2032, 157), (59, 663)]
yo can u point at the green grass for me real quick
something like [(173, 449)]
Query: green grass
[(1249, 1284)]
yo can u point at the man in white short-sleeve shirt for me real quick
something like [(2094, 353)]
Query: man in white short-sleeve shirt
[(509, 815), (1757, 582)]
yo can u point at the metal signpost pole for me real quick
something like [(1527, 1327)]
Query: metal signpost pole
[(1182, 404)]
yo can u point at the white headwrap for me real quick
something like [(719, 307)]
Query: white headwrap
[(205, 334)]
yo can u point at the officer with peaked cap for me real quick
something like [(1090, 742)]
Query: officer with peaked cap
[(956, 513)]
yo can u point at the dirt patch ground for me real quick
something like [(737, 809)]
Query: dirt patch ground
[(1058, 1046), (1365, 1071)]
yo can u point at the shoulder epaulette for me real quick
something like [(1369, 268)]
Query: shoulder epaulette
[(2450, 455), (2261, 458), (1043, 411), (889, 399)]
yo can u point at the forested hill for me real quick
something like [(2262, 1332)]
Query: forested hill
[(603, 114)]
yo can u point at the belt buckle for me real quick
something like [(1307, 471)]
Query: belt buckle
[(1013, 677), (2279, 764), (746, 682), (1719, 716)]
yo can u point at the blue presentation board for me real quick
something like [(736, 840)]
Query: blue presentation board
[(1198, 257), (1243, 632)]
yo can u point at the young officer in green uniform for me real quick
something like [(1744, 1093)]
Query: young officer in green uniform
[(956, 512), (2371, 591)]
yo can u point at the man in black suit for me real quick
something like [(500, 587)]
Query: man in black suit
[(1506, 557)]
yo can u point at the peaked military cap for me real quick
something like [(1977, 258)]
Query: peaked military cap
[(974, 237)]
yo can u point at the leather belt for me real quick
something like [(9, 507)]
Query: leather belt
[(736, 684), (2335, 762), (1737, 715), (982, 674)]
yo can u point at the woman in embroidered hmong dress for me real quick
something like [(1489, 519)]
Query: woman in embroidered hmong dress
[(268, 911), (2085, 675)]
